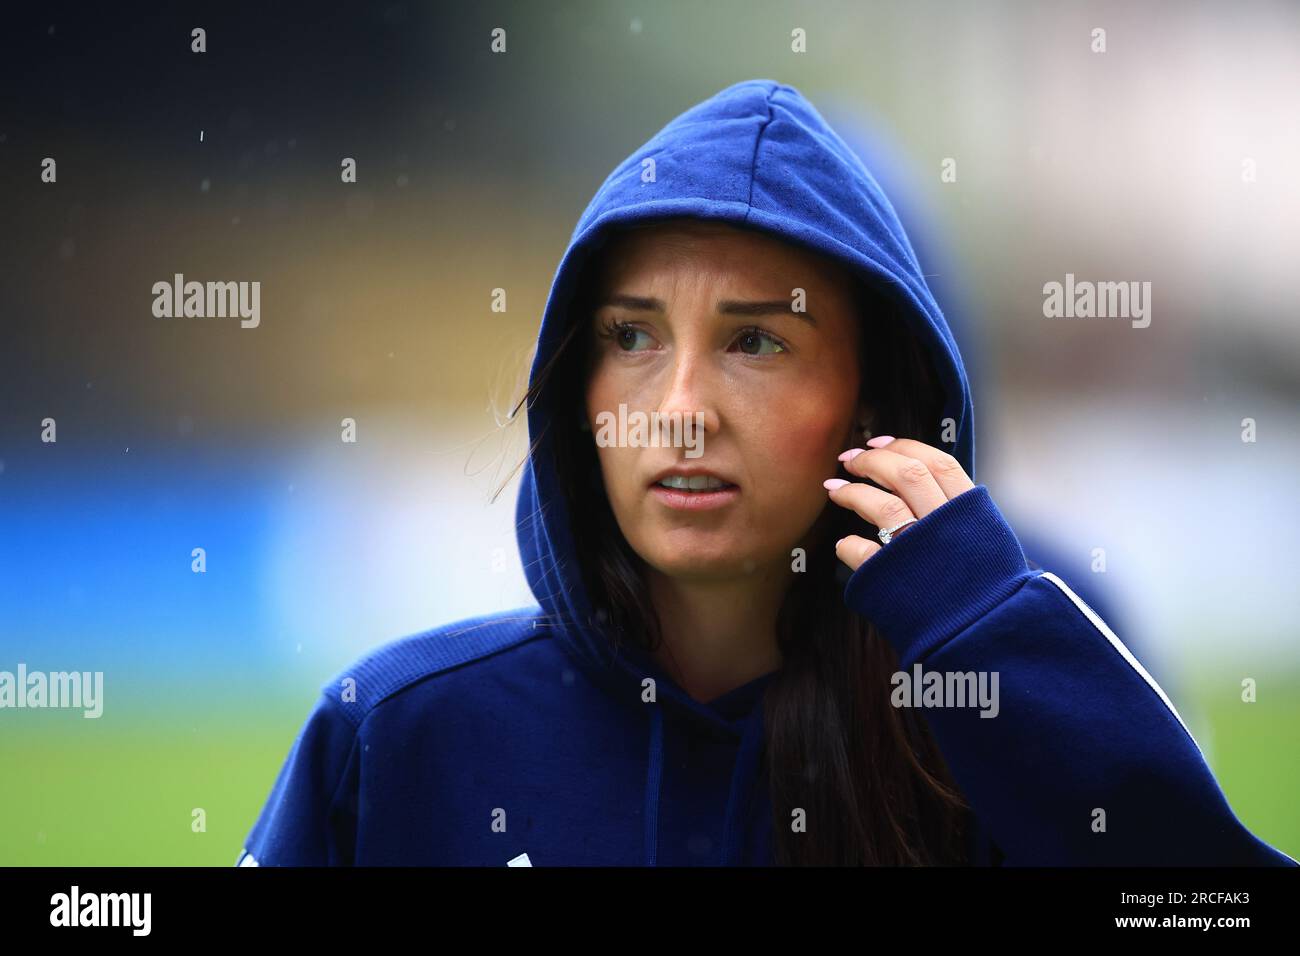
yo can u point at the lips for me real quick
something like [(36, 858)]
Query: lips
[(707, 499), (686, 489)]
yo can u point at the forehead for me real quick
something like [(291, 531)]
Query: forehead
[(741, 255)]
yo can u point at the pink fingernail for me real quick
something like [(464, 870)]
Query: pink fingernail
[(851, 453), (880, 441), (832, 484)]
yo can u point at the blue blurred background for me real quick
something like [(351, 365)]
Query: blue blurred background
[(473, 167)]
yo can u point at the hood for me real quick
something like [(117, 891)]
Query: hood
[(759, 155)]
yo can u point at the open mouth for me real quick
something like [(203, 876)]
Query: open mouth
[(694, 492), (699, 483)]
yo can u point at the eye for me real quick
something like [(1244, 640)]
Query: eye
[(754, 337), (623, 334)]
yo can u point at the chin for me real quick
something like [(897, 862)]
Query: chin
[(701, 562), (694, 563)]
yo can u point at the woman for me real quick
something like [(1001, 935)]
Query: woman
[(766, 631)]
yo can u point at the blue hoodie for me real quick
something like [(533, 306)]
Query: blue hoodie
[(523, 738)]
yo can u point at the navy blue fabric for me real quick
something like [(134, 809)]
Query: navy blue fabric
[(527, 733)]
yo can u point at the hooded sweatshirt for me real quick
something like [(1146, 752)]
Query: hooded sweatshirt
[(526, 738)]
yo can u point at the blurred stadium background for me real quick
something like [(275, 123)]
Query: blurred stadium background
[(473, 169)]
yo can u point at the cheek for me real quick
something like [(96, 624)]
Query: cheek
[(618, 469), (618, 465), (608, 387), (799, 432)]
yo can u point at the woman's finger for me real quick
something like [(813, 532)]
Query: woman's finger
[(880, 508), (854, 550), (944, 468), (909, 478)]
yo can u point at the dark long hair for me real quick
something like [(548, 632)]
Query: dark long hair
[(869, 777)]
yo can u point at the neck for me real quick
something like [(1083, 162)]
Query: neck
[(718, 633)]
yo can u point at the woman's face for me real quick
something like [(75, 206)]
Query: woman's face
[(697, 321)]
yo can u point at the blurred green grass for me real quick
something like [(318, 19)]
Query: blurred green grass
[(1252, 749), (119, 791)]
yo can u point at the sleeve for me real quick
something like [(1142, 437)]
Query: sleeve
[(309, 819), (1081, 759)]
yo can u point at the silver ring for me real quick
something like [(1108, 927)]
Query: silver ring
[(886, 534)]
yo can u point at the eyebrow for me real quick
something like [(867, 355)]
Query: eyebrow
[(726, 307)]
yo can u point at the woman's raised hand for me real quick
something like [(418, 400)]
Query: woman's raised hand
[(920, 478)]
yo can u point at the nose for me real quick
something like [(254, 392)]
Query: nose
[(691, 391)]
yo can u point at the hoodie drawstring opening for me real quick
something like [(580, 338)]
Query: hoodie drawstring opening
[(751, 742), (741, 777)]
